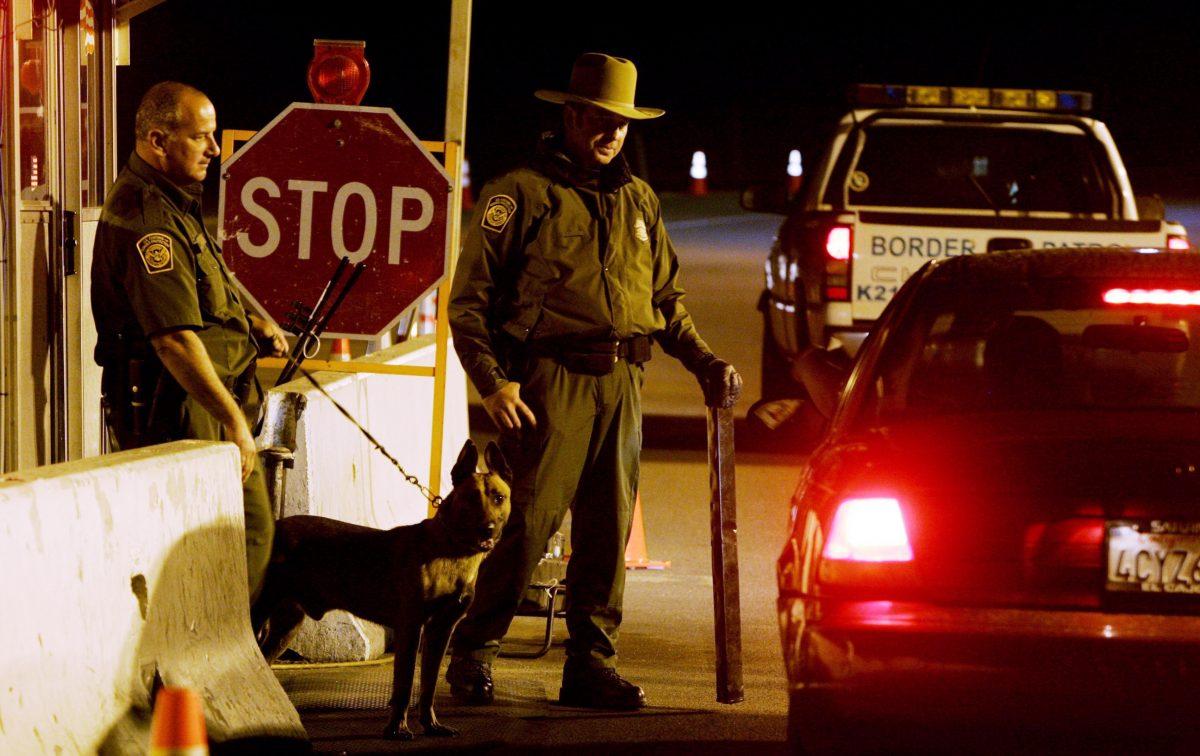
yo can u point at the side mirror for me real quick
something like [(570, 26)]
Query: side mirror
[(769, 197), (1150, 207), (823, 374)]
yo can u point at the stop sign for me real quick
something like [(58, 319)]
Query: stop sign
[(322, 182)]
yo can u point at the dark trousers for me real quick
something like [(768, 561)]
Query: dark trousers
[(583, 455)]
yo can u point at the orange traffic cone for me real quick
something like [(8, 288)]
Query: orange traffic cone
[(636, 556), (339, 351), (699, 174), (468, 196), (427, 315), (795, 172), (178, 725)]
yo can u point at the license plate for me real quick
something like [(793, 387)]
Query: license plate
[(1153, 556)]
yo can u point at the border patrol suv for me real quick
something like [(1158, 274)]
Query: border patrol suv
[(917, 173)]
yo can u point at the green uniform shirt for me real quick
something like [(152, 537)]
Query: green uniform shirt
[(155, 268), (556, 255)]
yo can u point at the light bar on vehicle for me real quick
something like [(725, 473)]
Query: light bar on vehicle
[(868, 530), (902, 95), (1170, 297)]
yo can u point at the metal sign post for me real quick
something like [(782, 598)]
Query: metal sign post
[(727, 612)]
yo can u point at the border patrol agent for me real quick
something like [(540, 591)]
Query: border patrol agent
[(162, 297), (566, 275)]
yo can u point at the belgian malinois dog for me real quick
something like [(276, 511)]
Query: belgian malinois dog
[(411, 578)]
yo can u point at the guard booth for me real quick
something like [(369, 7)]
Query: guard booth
[(58, 94), (57, 158)]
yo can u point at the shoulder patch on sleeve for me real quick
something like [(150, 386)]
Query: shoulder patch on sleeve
[(639, 230), (156, 252), (498, 212)]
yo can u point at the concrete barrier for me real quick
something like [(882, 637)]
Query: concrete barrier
[(118, 570), (338, 473)]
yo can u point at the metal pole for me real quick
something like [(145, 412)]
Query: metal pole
[(727, 614), (455, 138)]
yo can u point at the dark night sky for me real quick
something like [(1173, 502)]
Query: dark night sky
[(745, 84)]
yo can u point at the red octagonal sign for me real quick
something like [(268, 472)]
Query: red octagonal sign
[(322, 182)]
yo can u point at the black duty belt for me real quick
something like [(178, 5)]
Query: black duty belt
[(595, 357)]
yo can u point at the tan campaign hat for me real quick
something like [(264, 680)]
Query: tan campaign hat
[(604, 81)]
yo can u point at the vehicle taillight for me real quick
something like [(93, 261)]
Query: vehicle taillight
[(1178, 243), (868, 530), (839, 244)]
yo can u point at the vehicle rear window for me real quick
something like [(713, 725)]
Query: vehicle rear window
[(975, 167), (1041, 346)]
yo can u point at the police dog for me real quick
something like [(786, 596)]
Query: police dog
[(411, 578)]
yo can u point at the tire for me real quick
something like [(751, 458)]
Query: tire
[(777, 382), (812, 728), (801, 741)]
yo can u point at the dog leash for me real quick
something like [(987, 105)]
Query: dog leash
[(433, 499)]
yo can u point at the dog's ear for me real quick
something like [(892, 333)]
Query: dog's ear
[(465, 466), (496, 461)]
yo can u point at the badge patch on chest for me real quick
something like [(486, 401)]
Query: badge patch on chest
[(498, 212), (639, 230), (155, 250)]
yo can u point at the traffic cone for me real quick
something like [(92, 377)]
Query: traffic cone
[(427, 315), (636, 556), (795, 172), (699, 174), (339, 351), (468, 196), (177, 728)]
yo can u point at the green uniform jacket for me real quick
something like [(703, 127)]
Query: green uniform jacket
[(553, 256), (155, 269)]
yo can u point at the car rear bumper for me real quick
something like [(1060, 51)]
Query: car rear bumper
[(912, 662)]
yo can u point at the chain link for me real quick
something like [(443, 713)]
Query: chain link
[(434, 500)]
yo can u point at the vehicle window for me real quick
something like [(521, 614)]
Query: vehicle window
[(976, 167), (1037, 347)]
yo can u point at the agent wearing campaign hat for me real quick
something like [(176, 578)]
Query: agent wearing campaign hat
[(566, 277)]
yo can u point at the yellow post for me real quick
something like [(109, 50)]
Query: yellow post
[(230, 137), (456, 131)]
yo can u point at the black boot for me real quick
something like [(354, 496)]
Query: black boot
[(470, 680), (598, 688)]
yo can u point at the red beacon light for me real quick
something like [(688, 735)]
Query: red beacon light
[(339, 73)]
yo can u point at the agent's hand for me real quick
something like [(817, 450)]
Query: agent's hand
[(720, 383), (240, 434), (506, 408), (271, 339)]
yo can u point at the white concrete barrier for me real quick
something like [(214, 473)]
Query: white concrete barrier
[(338, 473), (114, 571)]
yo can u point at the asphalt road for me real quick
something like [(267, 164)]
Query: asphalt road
[(721, 251)]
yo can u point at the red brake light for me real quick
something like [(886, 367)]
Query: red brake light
[(1178, 243), (868, 530), (838, 243), (339, 73), (1171, 297)]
